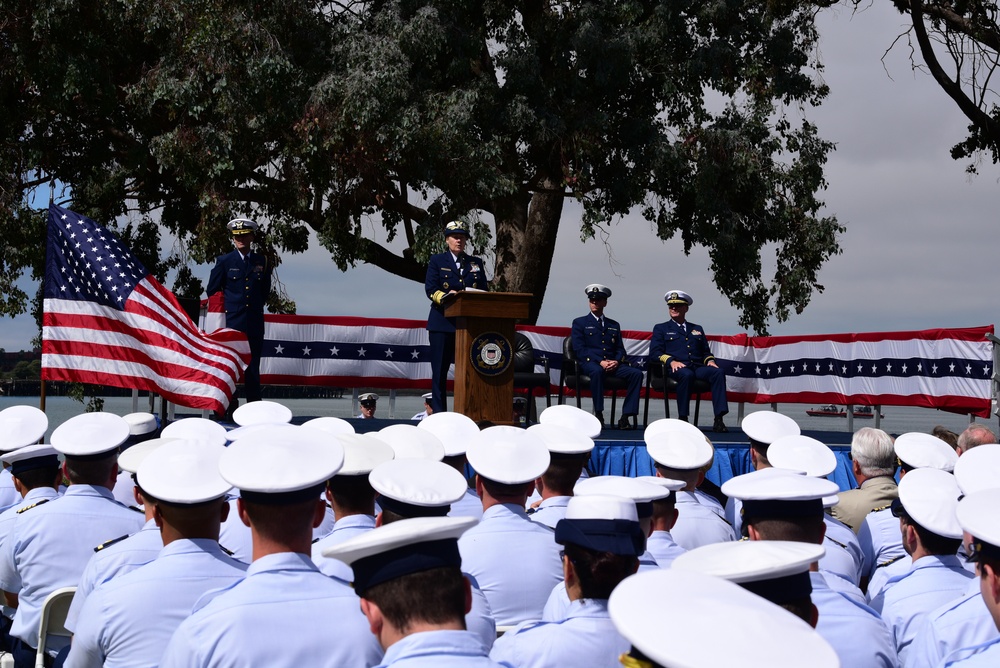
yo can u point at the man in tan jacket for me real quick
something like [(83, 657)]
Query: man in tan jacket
[(874, 465)]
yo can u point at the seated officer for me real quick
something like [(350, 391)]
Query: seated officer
[(684, 346), (600, 351), (369, 402)]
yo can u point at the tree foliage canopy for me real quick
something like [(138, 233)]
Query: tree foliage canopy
[(322, 116)]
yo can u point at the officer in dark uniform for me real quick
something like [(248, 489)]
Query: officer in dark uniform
[(684, 345), (244, 277), (599, 349), (448, 273)]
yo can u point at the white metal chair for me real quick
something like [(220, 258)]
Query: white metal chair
[(53, 623)]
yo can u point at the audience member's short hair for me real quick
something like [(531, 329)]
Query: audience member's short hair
[(91, 471), (946, 435), (599, 572), (563, 472), (975, 434), (800, 529), (873, 450), (435, 596), (352, 493)]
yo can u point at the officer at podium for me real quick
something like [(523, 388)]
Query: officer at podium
[(447, 274)]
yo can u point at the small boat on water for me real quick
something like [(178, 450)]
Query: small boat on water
[(827, 411), (831, 410)]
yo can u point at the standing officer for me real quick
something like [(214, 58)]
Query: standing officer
[(244, 277), (599, 349), (684, 345), (369, 402), (448, 273)]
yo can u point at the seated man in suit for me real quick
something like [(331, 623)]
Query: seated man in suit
[(599, 349), (684, 345)]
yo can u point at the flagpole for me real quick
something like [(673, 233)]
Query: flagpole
[(41, 391)]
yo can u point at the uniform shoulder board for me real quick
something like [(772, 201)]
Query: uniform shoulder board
[(889, 562), (109, 543), (531, 511), (880, 508), (136, 509), (316, 540), (226, 551), (34, 505), (836, 542)]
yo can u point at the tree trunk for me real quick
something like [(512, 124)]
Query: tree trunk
[(525, 244)]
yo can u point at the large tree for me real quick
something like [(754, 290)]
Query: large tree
[(959, 45), (322, 116)]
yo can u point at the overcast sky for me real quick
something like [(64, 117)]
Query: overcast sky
[(918, 253)]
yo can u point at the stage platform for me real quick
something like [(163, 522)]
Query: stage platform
[(624, 452)]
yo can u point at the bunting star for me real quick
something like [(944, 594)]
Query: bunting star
[(279, 349), (335, 351)]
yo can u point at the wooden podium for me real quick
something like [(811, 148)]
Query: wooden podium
[(484, 352)]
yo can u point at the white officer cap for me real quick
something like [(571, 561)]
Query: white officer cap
[(410, 442), (427, 397), (679, 450), (330, 425), (367, 396), (779, 493), (362, 453), (140, 423), (131, 459), (767, 426), (978, 515), (281, 465), (20, 426), (90, 435), (562, 440), (778, 570), (597, 291), (918, 450), (668, 483), (577, 419), (602, 523), (678, 297), (241, 226), (640, 492), (508, 455), (979, 468), (261, 412), (417, 487), (929, 497), (241, 432), (31, 457), (454, 430), (183, 472), (802, 453), (682, 633), (197, 428), (664, 425), (401, 548)]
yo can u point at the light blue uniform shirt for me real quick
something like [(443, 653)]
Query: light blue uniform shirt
[(585, 638), (113, 560), (514, 561), (344, 529), (128, 621), (7, 517), (988, 656), (439, 649), (235, 536), (550, 511), (964, 622), (662, 547), (710, 502), (49, 546), (880, 540), (886, 571), (856, 632), (283, 613), (9, 495), (124, 490), (326, 526), (906, 601), (840, 538), (470, 505), (698, 524)]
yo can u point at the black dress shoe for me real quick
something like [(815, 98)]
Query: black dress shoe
[(625, 423), (720, 427), (600, 418)]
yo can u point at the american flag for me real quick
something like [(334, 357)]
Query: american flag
[(108, 321)]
